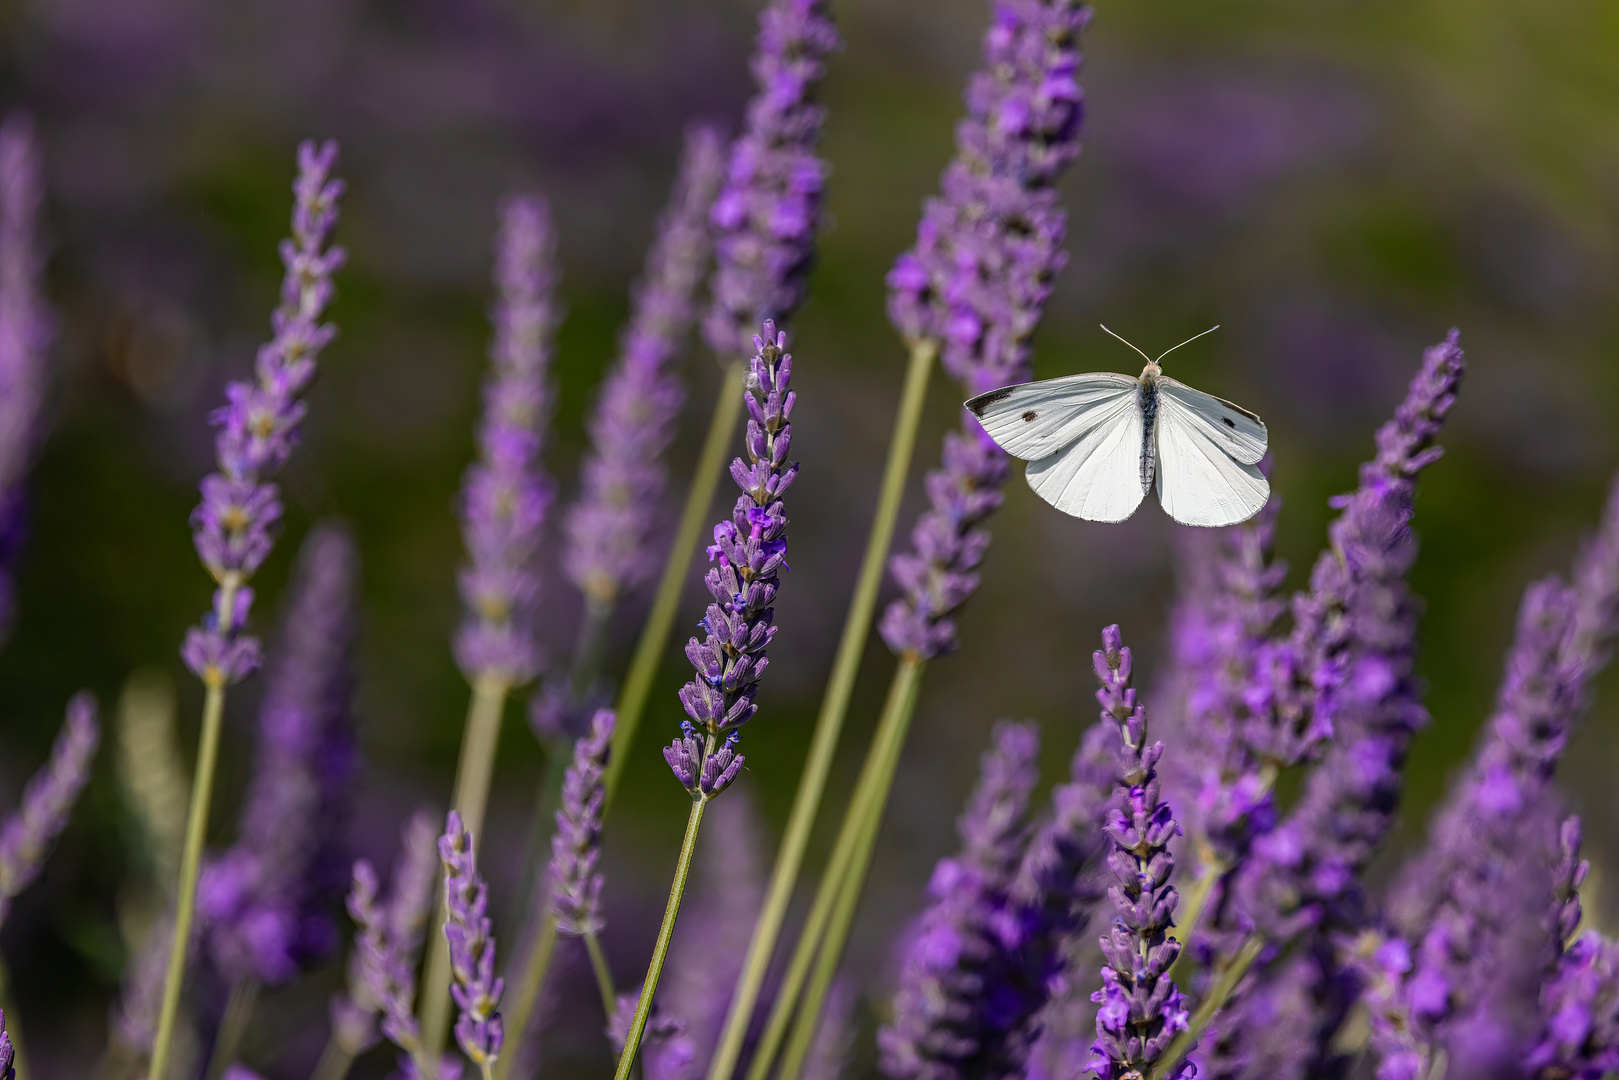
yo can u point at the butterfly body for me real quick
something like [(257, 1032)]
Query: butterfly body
[(1096, 443)]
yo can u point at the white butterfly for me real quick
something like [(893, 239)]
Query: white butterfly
[(1096, 442)]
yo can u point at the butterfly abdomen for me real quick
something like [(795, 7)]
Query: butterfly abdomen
[(1147, 398)]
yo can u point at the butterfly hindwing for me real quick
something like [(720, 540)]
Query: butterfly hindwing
[(1035, 420), (1200, 482)]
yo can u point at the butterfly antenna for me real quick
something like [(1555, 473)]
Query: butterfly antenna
[(1143, 355), (1188, 341)]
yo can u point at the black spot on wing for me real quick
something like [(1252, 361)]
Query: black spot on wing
[(984, 401), (1029, 417), (1237, 409), (1228, 422)]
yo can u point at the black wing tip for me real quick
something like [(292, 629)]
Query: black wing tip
[(984, 401)]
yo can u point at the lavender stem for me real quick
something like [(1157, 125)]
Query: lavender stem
[(604, 974), (1230, 975), (834, 708)]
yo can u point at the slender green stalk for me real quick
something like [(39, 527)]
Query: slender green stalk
[(536, 958), (829, 724), (470, 800), (244, 998), (335, 1061), (871, 792), (1218, 995), (666, 933), (1195, 900), (705, 479), (604, 975), (888, 746), (19, 1060), (202, 793)]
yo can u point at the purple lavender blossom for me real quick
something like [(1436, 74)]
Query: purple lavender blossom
[(134, 1015), (47, 801), (948, 1011), (25, 335), (267, 903), (475, 989), (382, 967), (975, 284), (829, 1054), (240, 1072), (750, 550), (666, 1052), (768, 209), (8, 1053), (576, 880), (233, 526), (506, 495), (1579, 1015), (622, 478), (1141, 1008)]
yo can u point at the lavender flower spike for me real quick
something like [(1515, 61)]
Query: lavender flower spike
[(1579, 1015), (382, 968), (749, 551), (25, 334), (975, 284), (767, 211), (476, 990), (622, 477), (233, 526), (505, 496), (576, 882), (1141, 1008), (8, 1053), (48, 800), (267, 903)]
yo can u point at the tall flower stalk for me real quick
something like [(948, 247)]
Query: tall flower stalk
[(764, 222), (478, 1028), (748, 554), (233, 527), (505, 499), (970, 291)]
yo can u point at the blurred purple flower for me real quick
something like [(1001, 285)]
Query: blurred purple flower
[(575, 878), (387, 944), (622, 478), (1579, 1015), (830, 1053), (140, 994), (25, 336), (475, 989), (8, 1053), (234, 524), (750, 550), (769, 206), (1141, 1007), (29, 832), (666, 1051), (268, 903), (506, 494), (975, 284)]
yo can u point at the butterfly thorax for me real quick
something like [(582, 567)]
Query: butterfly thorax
[(1147, 398)]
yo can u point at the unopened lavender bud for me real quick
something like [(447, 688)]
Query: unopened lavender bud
[(475, 988), (47, 801), (576, 880)]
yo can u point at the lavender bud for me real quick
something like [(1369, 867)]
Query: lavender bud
[(47, 801), (506, 495), (475, 989), (8, 1053), (1578, 1015), (576, 881), (382, 967)]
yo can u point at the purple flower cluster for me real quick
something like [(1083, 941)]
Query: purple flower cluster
[(476, 989), (1579, 1029), (622, 478), (750, 551), (506, 495), (8, 1053), (25, 335), (234, 524), (268, 902), (382, 967), (768, 209), (1141, 1007), (47, 801), (576, 880), (975, 284)]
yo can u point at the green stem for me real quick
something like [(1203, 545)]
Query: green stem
[(536, 959), (887, 746), (244, 997), (666, 932), (471, 798), (655, 632), (829, 724), (1218, 995), (202, 792), (335, 1061), (1191, 912), (890, 733), (19, 1060), (604, 975)]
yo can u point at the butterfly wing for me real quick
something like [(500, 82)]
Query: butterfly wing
[(1232, 428), (1200, 480), (1098, 476), (1035, 420)]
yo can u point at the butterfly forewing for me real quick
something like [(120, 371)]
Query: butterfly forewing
[(1098, 477), (1235, 430), (1036, 420), (1199, 481)]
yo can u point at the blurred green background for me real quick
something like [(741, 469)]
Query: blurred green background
[(1336, 183)]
